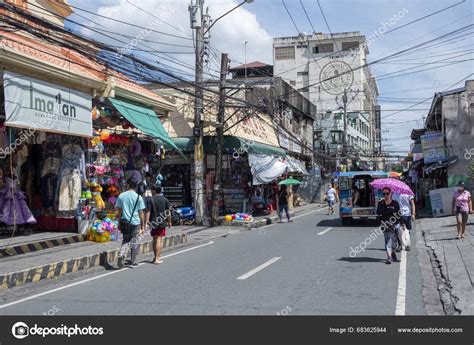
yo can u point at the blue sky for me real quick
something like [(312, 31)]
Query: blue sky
[(258, 22)]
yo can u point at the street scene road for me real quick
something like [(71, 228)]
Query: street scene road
[(310, 271)]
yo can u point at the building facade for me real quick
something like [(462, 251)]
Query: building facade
[(322, 66)]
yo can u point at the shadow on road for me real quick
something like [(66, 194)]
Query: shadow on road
[(361, 259), (356, 223)]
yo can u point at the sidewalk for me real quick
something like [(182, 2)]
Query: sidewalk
[(452, 262)]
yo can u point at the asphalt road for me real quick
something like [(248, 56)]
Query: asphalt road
[(299, 268)]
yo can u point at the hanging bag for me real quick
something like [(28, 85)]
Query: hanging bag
[(404, 236), (125, 224)]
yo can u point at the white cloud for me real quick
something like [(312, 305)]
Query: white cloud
[(227, 35)]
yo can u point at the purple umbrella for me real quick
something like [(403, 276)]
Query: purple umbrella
[(396, 186)]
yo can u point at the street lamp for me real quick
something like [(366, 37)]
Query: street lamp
[(236, 7)]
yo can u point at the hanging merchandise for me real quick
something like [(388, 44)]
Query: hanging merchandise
[(104, 135), (13, 207)]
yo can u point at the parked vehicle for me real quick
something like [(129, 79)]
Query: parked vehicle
[(187, 215), (357, 198)]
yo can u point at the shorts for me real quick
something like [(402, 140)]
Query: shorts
[(158, 232), (463, 216), (331, 202)]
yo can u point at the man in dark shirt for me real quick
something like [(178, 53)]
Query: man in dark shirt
[(158, 216), (389, 212)]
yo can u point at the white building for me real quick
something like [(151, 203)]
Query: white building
[(322, 66)]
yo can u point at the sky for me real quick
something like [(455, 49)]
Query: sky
[(260, 21)]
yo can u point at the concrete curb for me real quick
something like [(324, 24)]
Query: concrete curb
[(56, 269), (40, 245)]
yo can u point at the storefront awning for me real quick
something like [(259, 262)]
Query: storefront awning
[(429, 168), (265, 169), (144, 119), (295, 166), (186, 144)]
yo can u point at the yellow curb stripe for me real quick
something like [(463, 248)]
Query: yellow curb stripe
[(52, 269)]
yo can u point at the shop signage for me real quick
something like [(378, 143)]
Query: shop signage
[(296, 147), (433, 147), (284, 141), (33, 103), (441, 201), (258, 129)]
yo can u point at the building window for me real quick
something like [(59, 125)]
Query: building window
[(323, 48), (305, 89), (336, 137), (284, 53), (302, 46), (348, 46), (302, 73), (292, 82)]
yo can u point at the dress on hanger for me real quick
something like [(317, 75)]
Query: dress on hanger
[(13, 206)]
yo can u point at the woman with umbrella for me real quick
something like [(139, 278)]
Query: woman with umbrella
[(283, 196), (388, 210)]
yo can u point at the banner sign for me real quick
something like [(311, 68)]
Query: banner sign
[(433, 147), (37, 104)]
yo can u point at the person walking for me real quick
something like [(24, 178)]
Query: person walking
[(130, 207), (388, 210), (408, 213), (462, 206), (159, 212), (331, 198), (283, 196)]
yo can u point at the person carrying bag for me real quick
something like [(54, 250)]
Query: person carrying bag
[(132, 222)]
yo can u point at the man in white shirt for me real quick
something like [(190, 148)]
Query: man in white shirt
[(407, 211), (331, 196)]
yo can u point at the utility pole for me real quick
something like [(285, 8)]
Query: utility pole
[(344, 144), (197, 23), (220, 142)]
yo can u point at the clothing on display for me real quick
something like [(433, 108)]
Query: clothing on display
[(13, 207), (70, 189)]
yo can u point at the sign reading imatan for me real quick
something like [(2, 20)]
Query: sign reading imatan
[(33, 103)]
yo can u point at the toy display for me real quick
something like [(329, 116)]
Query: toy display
[(239, 217), (104, 231)]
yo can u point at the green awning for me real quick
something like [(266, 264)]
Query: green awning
[(145, 119), (186, 144)]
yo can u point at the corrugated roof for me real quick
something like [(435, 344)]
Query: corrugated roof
[(72, 62), (255, 64)]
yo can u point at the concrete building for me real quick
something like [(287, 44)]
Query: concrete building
[(321, 66), (452, 114)]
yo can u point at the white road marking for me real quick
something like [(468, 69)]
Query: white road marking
[(93, 278), (324, 231), (402, 285), (259, 268), (301, 215)]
